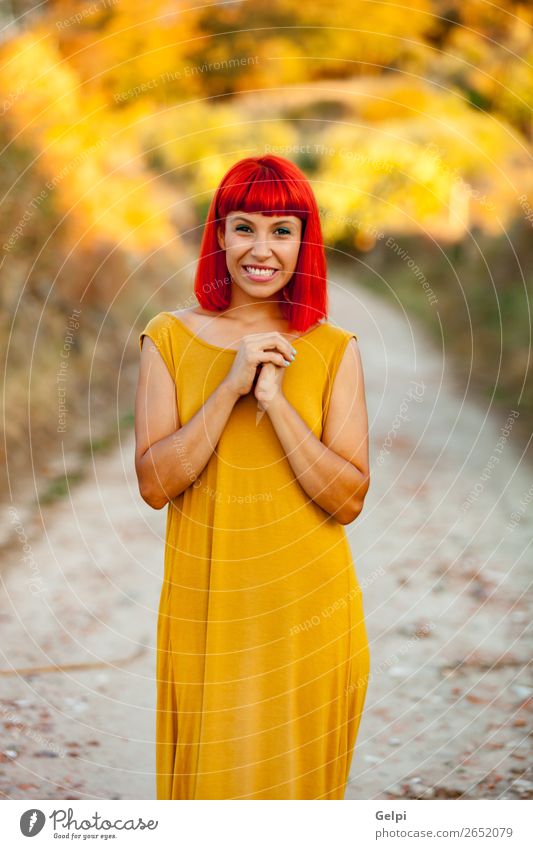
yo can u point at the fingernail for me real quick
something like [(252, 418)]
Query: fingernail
[(287, 363)]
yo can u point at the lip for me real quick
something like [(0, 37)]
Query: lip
[(260, 277)]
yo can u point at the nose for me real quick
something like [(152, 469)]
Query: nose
[(261, 249)]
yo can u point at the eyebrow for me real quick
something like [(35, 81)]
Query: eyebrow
[(249, 220)]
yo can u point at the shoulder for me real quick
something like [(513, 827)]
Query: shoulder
[(328, 342), (335, 332), (192, 317), (166, 320), (340, 333), (344, 364), (184, 314), (159, 329), (335, 340)]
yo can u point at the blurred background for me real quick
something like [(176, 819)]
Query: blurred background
[(414, 124), (117, 122)]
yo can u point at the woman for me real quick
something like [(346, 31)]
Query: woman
[(251, 425)]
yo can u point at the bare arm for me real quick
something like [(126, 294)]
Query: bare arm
[(168, 458), (333, 471)]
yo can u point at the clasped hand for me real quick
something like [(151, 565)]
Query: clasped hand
[(259, 365), (268, 385)]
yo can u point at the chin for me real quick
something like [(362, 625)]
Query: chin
[(259, 290)]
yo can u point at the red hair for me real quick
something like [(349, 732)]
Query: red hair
[(273, 186)]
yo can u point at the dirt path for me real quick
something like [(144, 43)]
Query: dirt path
[(448, 705), (444, 578)]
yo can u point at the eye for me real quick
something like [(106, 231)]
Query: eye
[(283, 231), (243, 227)]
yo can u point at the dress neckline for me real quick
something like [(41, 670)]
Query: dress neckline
[(230, 350)]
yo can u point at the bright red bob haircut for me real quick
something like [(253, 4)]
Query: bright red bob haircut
[(273, 186)]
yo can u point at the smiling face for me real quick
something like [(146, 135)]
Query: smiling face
[(261, 250)]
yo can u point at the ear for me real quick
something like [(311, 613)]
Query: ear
[(220, 237)]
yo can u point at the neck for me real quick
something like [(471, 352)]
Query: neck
[(251, 311)]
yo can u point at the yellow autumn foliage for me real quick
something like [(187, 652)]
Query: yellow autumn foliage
[(402, 120), (98, 177)]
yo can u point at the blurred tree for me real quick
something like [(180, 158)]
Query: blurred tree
[(110, 94)]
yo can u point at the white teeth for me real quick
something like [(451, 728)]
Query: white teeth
[(262, 272)]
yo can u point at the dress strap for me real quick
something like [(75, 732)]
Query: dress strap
[(160, 329), (334, 361)]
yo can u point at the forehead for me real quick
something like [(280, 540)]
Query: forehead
[(258, 217)]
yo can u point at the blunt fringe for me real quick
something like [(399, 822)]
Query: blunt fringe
[(271, 185)]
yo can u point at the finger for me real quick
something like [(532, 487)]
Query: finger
[(275, 358), (274, 340)]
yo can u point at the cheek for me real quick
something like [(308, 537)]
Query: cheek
[(232, 247), (235, 245), (293, 251)]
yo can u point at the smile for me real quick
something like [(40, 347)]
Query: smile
[(257, 272)]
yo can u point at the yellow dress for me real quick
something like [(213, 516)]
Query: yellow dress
[(262, 650)]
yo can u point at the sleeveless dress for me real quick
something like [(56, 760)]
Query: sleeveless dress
[(262, 651)]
